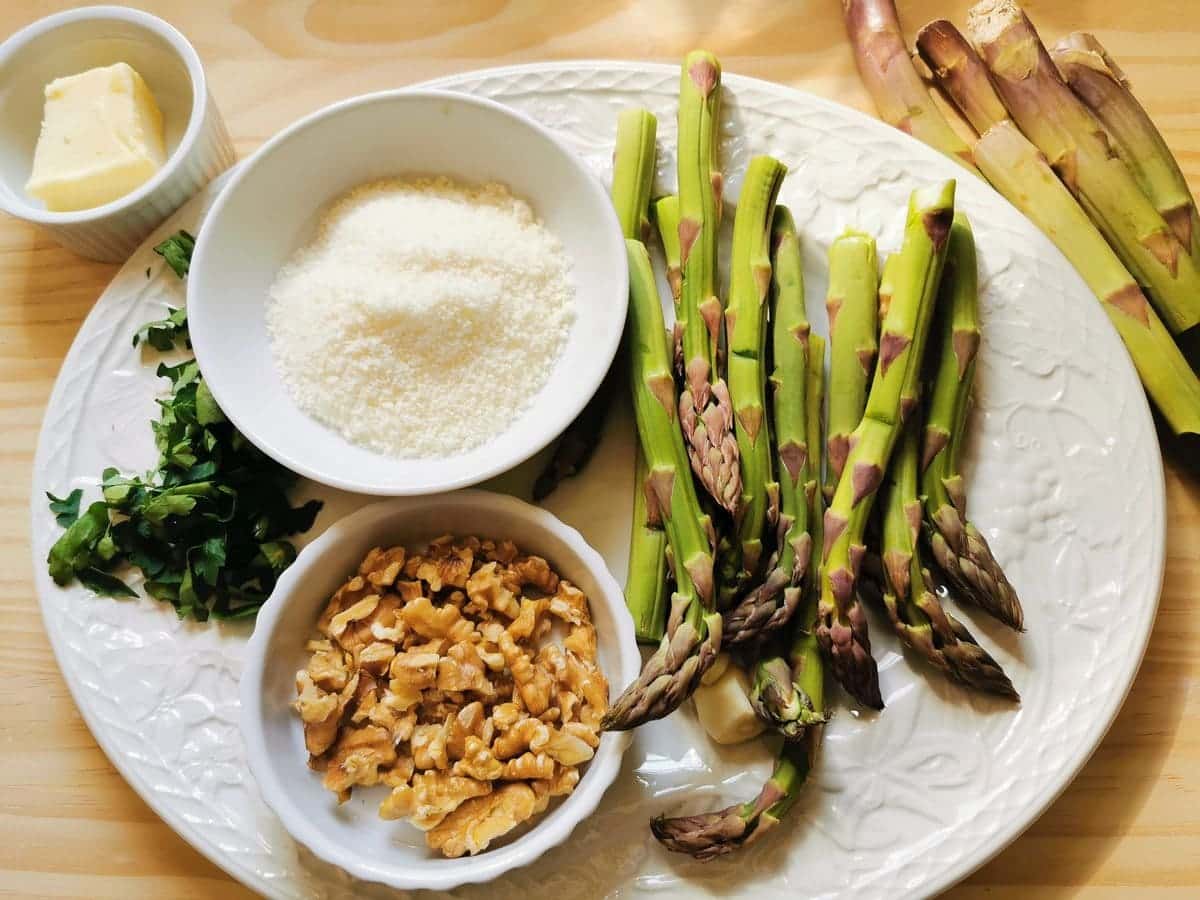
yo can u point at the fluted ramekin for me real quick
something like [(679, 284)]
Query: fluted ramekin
[(198, 144)]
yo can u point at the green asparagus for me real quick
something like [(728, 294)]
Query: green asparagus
[(915, 275), (853, 307), (693, 636), (705, 408)]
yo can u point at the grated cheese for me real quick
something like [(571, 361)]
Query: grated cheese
[(424, 317)]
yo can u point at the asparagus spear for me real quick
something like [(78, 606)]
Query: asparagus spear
[(1019, 171), (705, 409), (842, 624), (666, 215), (958, 547), (1102, 86), (633, 171), (914, 609), (1075, 144), (693, 636), (791, 696), (893, 83), (633, 174), (853, 307), (633, 178), (799, 702), (746, 327), (760, 612), (646, 583)]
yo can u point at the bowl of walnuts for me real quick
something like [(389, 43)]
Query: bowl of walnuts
[(422, 695)]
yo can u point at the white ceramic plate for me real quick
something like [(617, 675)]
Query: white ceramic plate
[(1065, 479)]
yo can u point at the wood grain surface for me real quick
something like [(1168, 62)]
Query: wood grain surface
[(1129, 826)]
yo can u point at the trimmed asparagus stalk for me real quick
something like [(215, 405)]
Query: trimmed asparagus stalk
[(842, 624), (853, 307), (633, 171), (960, 74), (705, 409), (1019, 171), (746, 329), (916, 613), (1075, 144), (693, 636), (710, 835), (646, 584), (633, 175), (666, 216), (760, 613), (893, 83), (959, 549), (1103, 88)]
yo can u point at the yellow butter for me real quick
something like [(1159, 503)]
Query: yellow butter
[(102, 137)]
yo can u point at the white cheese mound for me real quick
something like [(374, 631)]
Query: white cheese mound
[(424, 317)]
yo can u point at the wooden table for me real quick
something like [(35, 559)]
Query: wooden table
[(70, 827)]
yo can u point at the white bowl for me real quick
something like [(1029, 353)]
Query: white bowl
[(352, 836), (198, 146), (271, 207)]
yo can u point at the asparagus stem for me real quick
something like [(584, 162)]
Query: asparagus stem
[(633, 175), (710, 835), (1102, 86), (914, 609), (959, 72), (646, 584), (705, 409), (893, 83), (1076, 145), (666, 216), (693, 636), (746, 328), (760, 612), (842, 625), (853, 307), (633, 171), (959, 548), (1019, 171)]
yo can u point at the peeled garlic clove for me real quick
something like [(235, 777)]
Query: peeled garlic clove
[(724, 707)]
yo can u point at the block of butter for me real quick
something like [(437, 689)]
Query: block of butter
[(102, 137)]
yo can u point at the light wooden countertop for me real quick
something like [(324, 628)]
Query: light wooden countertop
[(1129, 826)]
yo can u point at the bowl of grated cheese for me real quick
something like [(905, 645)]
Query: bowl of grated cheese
[(408, 292)]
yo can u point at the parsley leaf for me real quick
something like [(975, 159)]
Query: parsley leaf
[(65, 509), (163, 334), (177, 251), (208, 526)]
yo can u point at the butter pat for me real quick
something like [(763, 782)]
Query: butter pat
[(102, 137)]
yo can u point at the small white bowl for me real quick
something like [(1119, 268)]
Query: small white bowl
[(272, 205), (198, 146), (352, 836)]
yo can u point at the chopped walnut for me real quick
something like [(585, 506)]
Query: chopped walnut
[(435, 674), (429, 746), (479, 821), (431, 797), (528, 765), (356, 759)]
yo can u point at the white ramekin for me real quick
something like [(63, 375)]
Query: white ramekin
[(198, 145), (351, 836)]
